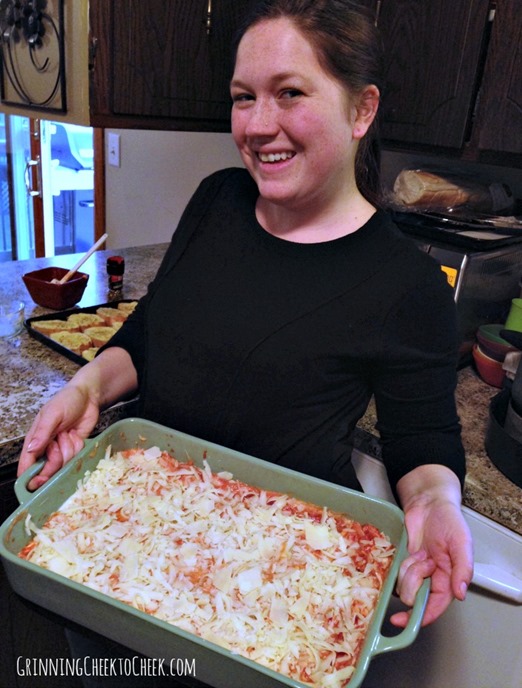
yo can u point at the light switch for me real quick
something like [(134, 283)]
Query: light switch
[(113, 149)]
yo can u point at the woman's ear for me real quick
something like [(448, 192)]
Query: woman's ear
[(366, 107)]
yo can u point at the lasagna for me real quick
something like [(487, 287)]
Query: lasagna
[(280, 581)]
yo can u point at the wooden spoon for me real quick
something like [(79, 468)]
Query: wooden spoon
[(82, 260)]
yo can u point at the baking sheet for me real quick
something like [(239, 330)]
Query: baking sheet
[(63, 315)]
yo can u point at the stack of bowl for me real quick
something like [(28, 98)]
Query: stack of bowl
[(489, 353)]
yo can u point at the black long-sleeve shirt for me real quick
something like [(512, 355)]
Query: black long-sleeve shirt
[(274, 348)]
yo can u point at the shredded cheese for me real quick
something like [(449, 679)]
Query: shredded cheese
[(287, 584)]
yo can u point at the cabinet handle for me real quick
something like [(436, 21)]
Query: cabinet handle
[(377, 12), (31, 190), (208, 23), (93, 48)]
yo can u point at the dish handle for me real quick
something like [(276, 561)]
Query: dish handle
[(411, 630), (20, 486)]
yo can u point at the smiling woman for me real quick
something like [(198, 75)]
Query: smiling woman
[(345, 43), (287, 299), (298, 131)]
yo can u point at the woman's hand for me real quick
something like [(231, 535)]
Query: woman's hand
[(439, 541), (58, 432), (62, 425)]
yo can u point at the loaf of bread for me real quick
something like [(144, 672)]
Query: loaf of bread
[(99, 335), (49, 327), (77, 342), (85, 320), (428, 190)]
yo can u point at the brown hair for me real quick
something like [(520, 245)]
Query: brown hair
[(349, 48)]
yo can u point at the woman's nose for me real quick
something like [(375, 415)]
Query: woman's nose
[(262, 120)]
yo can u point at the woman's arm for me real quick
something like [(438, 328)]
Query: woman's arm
[(439, 540), (414, 389), (61, 425)]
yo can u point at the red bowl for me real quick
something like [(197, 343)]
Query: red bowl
[(56, 296), (490, 371)]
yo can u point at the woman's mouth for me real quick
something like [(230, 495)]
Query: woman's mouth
[(276, 157)]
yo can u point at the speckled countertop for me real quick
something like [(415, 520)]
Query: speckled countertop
[(31, 373), (486, 489)]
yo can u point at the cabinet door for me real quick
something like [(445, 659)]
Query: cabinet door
[(163, 61), (499, 113), (433, 50)]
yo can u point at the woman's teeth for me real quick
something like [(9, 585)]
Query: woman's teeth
[(275, 157)]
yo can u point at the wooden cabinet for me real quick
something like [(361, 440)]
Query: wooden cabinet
[(452, 70), (433, 50), (453, 75), (162, 64), (498, 122)]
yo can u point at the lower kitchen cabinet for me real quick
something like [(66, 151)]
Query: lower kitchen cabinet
[(8, 500)]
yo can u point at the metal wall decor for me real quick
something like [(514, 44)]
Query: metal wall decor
[(32, 55)]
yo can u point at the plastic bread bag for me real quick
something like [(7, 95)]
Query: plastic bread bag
[(418, 189)]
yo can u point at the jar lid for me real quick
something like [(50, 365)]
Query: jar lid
[(115, 265)]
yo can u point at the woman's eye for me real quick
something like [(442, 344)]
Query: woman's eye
[(291, 93), (241, 97)]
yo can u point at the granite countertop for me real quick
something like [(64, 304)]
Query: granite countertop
[(486, 489), (32, 372)]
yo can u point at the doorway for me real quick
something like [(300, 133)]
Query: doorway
[(51, 187)]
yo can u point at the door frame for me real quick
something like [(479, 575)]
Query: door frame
[(36, 173), (99, 182), (99, 186)]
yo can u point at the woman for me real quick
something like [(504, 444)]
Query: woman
[(286, 300)]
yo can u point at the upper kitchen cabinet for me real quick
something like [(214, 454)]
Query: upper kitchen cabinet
[(120, 63), (453, 77), (498, 124), (433, 54), (162, 64)]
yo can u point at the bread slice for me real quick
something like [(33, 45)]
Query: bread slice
[(111, 315), (127, 306), (85, 320), (90, 353), (48, 327), (100, 335), (74, 341)]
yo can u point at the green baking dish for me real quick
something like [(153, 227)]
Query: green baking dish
[(143, 633)]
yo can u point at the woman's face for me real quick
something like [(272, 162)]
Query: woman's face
[(294, 125)]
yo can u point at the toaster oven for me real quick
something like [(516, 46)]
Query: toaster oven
[(483, 264)]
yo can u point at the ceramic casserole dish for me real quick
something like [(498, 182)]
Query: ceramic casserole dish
[(152, 637)]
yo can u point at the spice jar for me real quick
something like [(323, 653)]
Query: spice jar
[(115, 271)]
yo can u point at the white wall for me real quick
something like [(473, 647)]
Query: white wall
[(159, 171)]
